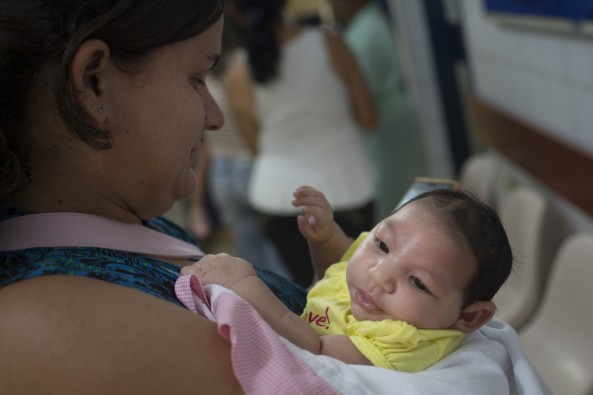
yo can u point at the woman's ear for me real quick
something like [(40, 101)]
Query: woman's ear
[(474, 316), (88, 64)]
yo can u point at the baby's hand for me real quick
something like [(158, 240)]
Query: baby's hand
[(222, 269), (317, 221)]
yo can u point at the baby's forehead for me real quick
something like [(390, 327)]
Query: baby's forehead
[(413, 211), (440, 216), (439, 221)]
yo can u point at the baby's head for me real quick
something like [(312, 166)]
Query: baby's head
[(435, 263)]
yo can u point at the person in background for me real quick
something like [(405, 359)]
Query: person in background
[(401, 296), (396, 145), (224, 172), (300, 92)]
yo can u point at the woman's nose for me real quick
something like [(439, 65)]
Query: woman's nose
[(214, 115), (383, 276)]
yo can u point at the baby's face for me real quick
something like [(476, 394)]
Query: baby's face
[(410, 268)]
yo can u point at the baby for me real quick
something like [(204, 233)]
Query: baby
[(401, 296)]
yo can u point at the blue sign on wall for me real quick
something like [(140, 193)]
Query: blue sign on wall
[(573, 10)]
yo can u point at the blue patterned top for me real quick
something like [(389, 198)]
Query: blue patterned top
[(148, 274)]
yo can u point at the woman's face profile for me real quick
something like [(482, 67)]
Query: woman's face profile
[(157, 118)]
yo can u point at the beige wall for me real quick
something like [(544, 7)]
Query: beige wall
[(298, 8)]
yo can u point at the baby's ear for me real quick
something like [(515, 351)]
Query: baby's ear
[(474, 316)]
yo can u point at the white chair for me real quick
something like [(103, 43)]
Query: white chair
[(558, 341), (478, 173), (522, 211)]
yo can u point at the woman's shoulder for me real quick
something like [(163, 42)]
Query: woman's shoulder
[(333, 39), (69, 333)]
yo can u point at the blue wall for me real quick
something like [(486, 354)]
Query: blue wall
[(573, 10)]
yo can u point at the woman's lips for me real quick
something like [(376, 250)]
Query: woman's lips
[(366, 302)]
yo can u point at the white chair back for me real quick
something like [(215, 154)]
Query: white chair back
[(479, 173), (522, 212), (558, 341)]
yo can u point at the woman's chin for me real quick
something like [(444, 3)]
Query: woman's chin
[(186, 190), (176, 193)]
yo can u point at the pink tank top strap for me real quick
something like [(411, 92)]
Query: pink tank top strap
[(84, 230)]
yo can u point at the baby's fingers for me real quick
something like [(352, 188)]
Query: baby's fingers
[(197, 267), (308, 196), (306, 191), (194, 269)]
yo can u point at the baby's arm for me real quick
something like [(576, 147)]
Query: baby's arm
[(239, 276), (342, 348), (327, 241)]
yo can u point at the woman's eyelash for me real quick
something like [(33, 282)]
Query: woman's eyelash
[(199, 81)]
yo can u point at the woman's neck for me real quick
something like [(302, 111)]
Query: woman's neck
[(56, 192)]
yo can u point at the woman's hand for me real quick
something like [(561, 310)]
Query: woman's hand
[(221, 269)]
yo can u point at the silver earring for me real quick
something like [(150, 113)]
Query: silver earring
[(99, 108)]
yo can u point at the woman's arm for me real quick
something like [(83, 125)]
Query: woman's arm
[(239, 90), (74, 335), (346, 66)]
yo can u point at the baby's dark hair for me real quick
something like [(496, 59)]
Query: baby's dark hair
[(484, 233), (38, 39)]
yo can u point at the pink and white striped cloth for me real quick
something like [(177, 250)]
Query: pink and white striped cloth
[(261, 362)]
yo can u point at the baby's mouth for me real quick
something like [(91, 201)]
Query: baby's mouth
[(366, 302)]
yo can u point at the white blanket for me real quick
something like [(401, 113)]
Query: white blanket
[(489, 362)]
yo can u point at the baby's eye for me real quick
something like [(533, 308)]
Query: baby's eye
[(381, 245), (419, 284)]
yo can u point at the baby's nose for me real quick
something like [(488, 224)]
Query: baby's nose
[(383, 276)]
